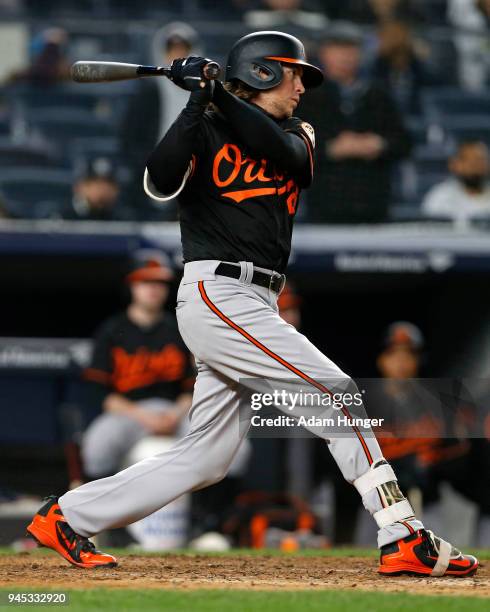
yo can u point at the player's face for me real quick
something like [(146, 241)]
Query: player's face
[(472, 160), (398, 362), (282, 100), (150, 295), (341, 61), (98, 192)]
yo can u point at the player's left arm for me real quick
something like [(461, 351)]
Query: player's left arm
[(261, 134)]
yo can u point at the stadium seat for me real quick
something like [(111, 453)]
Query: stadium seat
[(94, 147), (470, 127), (443, 55), (22, 155), (430, 158), (447, 102), (59, 126), (4, 124), (105, 102), (35, 192)]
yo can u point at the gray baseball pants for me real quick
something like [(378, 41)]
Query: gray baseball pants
[(239, 341)]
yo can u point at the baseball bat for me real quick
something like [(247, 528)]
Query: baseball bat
[(105, 72)]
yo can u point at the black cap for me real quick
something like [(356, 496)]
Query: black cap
[(403, 333), (96, 167)]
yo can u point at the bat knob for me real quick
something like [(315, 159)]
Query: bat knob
[(211, 71)]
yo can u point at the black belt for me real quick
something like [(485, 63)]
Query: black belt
[(275, 282)]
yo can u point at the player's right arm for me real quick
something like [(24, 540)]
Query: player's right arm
[(171, 161)]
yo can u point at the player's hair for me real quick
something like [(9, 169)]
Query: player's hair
[(241, 90)]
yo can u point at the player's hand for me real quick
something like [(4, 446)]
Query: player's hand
[(187, 73)]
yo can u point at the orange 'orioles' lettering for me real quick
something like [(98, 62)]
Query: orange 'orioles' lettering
[(145, 367), (231, 153)]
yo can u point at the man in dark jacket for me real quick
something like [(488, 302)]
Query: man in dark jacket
[(360, 136)]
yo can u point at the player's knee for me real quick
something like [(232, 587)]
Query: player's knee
[(213, 468), (97, 458)]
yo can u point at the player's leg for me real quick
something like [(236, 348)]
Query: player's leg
[(199, 459), (105, 442), (250, 342)]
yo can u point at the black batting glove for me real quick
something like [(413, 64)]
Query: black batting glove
[(187, 73)]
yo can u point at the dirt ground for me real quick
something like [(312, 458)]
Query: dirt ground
[(234, 572)]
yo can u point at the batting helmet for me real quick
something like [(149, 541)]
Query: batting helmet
[(256, 60)]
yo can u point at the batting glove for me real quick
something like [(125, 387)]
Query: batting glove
[(187, 73)]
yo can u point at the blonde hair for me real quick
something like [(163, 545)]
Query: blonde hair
[(241, 90)]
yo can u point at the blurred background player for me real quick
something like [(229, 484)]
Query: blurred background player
[(140, 372)]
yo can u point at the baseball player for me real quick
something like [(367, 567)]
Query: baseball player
[(239, 158)]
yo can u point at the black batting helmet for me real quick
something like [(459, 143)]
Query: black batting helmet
[(256, 60)]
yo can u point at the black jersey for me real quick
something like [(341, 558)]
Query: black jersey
[(236, 204), (237, 207), (140, 363)]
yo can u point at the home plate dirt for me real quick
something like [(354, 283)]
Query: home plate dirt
[(234, 572)]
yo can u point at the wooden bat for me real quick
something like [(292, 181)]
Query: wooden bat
[(105, 72)]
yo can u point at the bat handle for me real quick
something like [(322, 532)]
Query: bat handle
[(210, 71)]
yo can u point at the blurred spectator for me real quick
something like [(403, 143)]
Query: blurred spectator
[(96, 194), (472, 40), (11, 6), (360, 134), (401, 67), (49, 64), (466, 194), (283, 13), (156, 104), (140, 371), (376, 11)]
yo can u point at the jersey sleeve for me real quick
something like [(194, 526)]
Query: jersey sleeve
[(99, 373), (306, 132), (153, 192), (171, 162)]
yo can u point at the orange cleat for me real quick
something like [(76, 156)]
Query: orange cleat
[(423, 553), (49, 528)]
